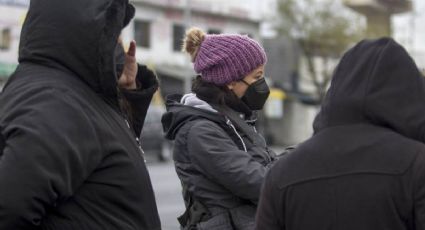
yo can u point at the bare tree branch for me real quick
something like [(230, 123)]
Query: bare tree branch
[(322, 29)]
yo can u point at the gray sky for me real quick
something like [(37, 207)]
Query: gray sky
[(409, 28), (411, 25)]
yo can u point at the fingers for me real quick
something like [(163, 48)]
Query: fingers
[(132, 49), (120, 40)]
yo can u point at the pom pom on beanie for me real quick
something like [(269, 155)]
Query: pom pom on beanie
[(223, 58)]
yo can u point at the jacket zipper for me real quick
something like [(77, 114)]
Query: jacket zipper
[(229, 123), (139, 145)]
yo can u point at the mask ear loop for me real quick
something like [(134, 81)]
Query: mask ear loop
[(246, 83)]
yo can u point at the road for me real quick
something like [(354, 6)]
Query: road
[(167, 189)]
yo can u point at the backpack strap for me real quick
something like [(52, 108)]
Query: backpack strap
[(240, 124), (195, 212), (254, 138)]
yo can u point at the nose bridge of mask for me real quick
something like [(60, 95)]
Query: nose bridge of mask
[(261, 85), (257, 82)]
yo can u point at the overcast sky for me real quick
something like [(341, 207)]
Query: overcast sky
[(411, 25), (409, 28)]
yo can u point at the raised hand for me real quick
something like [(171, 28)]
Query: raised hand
[(127, 79)]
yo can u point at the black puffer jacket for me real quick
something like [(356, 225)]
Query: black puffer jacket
[(216, 161), (364, 168), (68, 159)]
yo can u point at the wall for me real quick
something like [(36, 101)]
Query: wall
[(12, 15), (161, 51)]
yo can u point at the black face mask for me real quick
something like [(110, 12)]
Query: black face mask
[(119, 56), (256, 95)]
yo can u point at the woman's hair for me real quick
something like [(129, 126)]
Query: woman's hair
[(192, 42), (211, 93), (218, 95)]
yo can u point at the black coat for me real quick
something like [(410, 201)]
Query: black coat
[(364, 167), (69, 160), (211, 161)]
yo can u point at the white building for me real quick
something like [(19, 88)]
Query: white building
[(12, 15), (159, 27)]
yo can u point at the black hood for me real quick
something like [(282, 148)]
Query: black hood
[(178, 115), (376, 82), (77, 36)]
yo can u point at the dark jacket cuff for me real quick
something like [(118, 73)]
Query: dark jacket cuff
[(147, 85)]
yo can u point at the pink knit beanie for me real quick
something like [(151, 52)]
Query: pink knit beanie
[(224, 58)]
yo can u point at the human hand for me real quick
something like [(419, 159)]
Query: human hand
[(127, 79)]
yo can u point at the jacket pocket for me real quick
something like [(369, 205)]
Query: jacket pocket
[(243, 217), (218, 222)]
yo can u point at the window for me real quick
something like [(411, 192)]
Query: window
[(178, 36), (142, 33), (214, 31), (5, 39)]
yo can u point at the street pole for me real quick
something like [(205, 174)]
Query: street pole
[(187, 23)]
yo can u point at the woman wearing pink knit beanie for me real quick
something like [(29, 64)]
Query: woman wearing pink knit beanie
[(219, 157)]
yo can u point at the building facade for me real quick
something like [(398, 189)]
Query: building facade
[(12, 15), (159, 28)]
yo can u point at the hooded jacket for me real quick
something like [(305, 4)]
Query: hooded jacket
[(68, 158), (218, 164), (364, 167)]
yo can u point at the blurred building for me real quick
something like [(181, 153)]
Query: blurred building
[(160, 25), (158, 28), (12, 15), (287, 69), (298, 107)]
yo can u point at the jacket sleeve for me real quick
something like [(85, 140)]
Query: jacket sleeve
[(140, 98), (49, 151), (419, 193), (215, 154), (270, 207)]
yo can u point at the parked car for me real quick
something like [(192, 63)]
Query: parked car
[(152, 137)]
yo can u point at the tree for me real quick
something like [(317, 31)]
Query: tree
[(323, 29)]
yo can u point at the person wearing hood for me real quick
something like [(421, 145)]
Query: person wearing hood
[(219, 157), (364, 167), (69, 158)]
